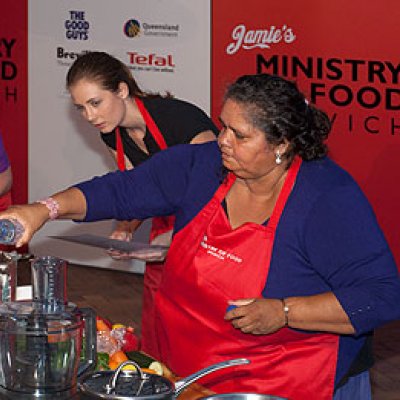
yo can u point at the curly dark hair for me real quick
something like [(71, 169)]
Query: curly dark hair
[(277, 107)]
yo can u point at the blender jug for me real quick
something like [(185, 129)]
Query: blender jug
[(8, 275), (47, 343)]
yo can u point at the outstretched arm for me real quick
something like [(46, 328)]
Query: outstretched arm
[(71, 205)]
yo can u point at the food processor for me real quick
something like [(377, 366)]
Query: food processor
[(46, 343), (8, 275)]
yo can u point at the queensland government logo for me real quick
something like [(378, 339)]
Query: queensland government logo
[(248, 39), (134, 28), (77, 27)]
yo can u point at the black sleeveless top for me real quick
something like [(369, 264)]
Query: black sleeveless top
[(178, 121)]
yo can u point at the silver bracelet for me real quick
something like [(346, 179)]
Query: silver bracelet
[(286, 311)]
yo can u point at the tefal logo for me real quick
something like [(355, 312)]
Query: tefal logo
[(151, 59)]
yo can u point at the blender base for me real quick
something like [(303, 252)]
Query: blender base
[(39, 394)]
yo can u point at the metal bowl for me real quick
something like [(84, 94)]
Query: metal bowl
[(242, 396)]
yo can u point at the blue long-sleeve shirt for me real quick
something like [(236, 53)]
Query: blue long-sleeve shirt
[(327, 240)]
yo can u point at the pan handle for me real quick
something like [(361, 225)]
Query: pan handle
[(185, 382)]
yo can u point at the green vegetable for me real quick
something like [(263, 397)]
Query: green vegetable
[(102, 362), (145, 361)]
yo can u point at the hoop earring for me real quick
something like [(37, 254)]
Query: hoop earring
[(278, 157)]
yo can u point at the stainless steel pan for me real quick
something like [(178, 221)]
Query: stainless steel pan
[(136, 385)]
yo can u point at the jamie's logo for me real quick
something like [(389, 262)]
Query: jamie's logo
[(261, 38)]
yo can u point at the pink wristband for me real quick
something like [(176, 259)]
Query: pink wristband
[(52, 205)]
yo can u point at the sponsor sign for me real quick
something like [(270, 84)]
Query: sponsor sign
[(77, 26), (14, 93), (153, 38), (134, 28), (348, 66)]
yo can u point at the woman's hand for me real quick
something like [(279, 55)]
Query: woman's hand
[(30, 216), (124, 230), (257, 316), (320, 312), (150, 255)]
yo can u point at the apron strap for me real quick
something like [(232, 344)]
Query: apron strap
[(153, 128), (283, 195), (224, 188), (285, 192), (154, 131), (120, 150)]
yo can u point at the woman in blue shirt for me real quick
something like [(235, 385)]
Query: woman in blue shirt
[(268, 224)]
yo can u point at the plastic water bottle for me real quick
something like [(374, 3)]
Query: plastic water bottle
[(10, 231)]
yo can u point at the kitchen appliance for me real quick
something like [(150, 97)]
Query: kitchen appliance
[(136, 385), (46, 343), (8, 275)]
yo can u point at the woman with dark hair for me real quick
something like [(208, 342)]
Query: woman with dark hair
[(276, 255), (135, 125)]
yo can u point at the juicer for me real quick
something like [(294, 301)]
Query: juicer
[(46, 343)]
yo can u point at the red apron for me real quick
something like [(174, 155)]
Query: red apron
[(210, 263), (160, 225)]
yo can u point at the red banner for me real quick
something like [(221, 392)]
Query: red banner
[(14, 91), (345, 60)]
